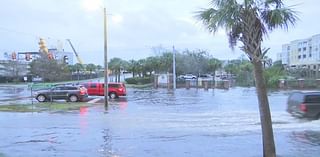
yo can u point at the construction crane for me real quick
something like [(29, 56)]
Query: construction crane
[(75, 52)]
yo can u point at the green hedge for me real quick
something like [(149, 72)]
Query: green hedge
[(139, 80)]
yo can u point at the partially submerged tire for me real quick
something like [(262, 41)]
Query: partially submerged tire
[(113, 95), (41, 98), (73, 98)]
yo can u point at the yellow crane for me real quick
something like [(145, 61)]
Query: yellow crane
[(75, 52)]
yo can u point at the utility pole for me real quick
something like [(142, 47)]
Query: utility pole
[(105, 58), (174, 68)]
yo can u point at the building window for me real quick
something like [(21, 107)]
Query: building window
[(304, 48), (299, 49), (299, 57), (314, 67), (304, 56), (310, 55)]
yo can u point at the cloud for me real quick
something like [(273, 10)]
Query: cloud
[(92, 5), (133, 27)]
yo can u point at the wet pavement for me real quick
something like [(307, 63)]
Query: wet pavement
[(222, 123)]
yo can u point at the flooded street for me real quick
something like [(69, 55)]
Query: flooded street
[(150, 122)]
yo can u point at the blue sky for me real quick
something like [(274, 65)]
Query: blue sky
[(134, 27)]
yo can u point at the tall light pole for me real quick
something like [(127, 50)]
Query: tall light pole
[(174, 69), (105, 58)]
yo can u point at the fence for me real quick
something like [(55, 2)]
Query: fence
[(166, 81), (299, 84)]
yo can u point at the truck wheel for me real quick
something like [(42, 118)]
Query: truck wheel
[(113, 95), (41, 98)]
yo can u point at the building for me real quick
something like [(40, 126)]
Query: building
[(303, 53)]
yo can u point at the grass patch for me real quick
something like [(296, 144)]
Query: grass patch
[(39, 107)]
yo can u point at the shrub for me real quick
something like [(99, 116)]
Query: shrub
[(139, 80), (131, 80)]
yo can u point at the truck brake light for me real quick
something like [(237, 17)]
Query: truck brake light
[(303, 107)]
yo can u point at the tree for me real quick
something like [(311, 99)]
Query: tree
[(274, 73), (15, 70), (91, 67), (152, 64), (166, 62), (133, 67), (78, 68), (213, 65), (115, 65), (249, 22), (141, 67), (99, 69), (49, 70)]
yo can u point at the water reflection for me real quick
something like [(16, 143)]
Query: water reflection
[(83, 111), (117, 104), (308, 137), (12, 90), (107, 146), (13, 93)]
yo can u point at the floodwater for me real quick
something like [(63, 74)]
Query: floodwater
[(14, 93), (158, 122)]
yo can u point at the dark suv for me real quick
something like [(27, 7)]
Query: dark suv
[(68, 93), (304, 104)]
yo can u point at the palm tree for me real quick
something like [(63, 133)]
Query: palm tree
[(213, 65), (79, 68), (99, 68), (115, 66), (91, 67), (249, 22), (132, 67)]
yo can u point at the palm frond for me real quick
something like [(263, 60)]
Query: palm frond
[(279, 17), (223, 3), (225, 17), (277, 3), (205, 16)]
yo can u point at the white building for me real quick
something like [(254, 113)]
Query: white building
[(302, 53)]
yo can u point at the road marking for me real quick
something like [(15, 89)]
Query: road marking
[(94, 100)]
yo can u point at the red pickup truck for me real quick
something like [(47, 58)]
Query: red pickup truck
[(115, 89)]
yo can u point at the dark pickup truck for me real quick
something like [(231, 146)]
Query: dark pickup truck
[(304, 104)]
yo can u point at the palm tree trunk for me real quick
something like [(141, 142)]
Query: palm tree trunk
[(265, 116)]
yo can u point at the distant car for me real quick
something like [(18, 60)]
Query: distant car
[(206, 76), (68, 93), (189, 77), (180, 77), (114, 89), (304, 104)]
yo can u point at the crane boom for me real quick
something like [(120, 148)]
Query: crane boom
[(75, 52)]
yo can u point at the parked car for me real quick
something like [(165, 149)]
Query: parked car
[(304, 104), (114, 89), (206, 77), (68, 93), (189, 77)]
